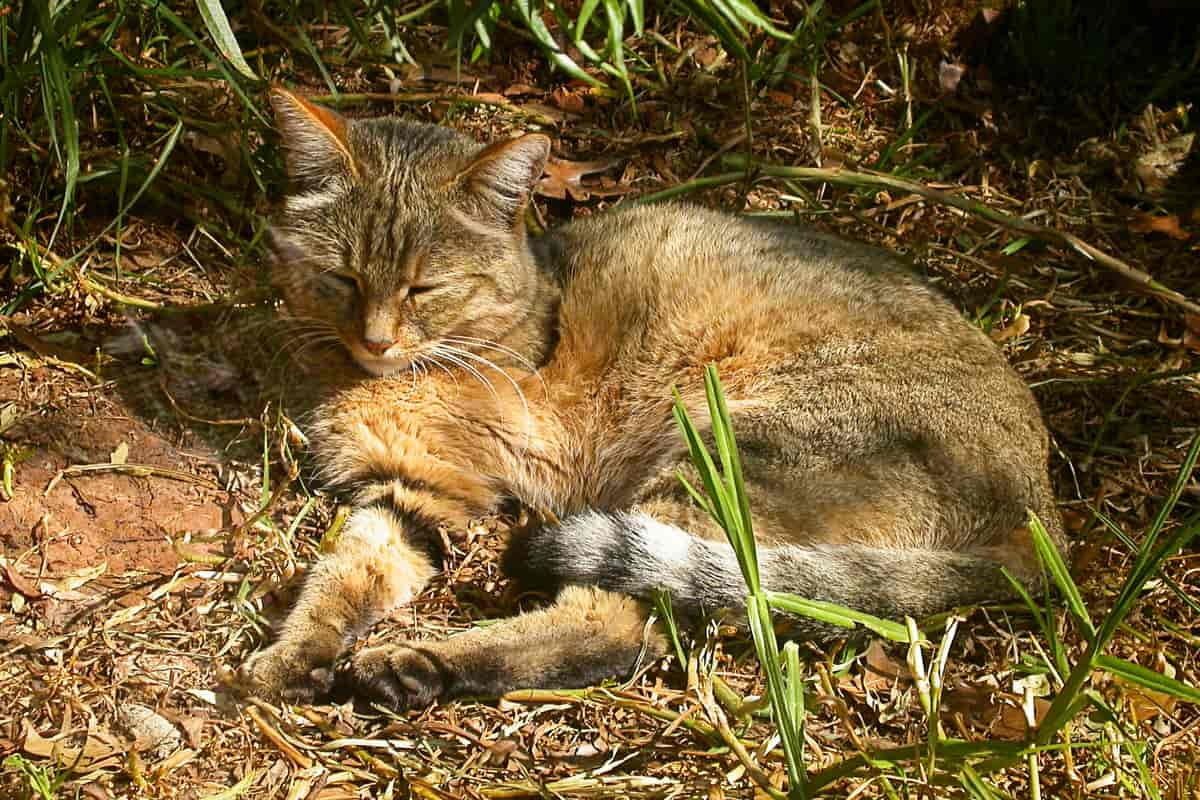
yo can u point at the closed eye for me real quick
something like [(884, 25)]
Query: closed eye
[(341, 280), (420, 289)]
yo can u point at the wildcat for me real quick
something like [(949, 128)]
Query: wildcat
[(891, 454)]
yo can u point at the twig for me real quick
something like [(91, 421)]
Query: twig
[(436, 97), (278, 739), (136, 470), (858, 178), (1061, 238)]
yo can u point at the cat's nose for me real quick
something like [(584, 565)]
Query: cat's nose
[(376, 348)]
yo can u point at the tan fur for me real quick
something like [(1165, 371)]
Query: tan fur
[(890, 453)]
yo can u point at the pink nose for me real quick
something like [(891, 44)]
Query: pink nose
[(377, 348)]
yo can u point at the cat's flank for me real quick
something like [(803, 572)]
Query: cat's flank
[(892, 457)]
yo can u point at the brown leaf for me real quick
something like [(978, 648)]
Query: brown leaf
[(523, 89), (1167, 224), (567, 100), (565, 178), (881, 671), (93, 755), (782, 98), (19, 582), (1018, 327)]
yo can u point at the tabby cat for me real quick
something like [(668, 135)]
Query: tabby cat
[(891, 455)]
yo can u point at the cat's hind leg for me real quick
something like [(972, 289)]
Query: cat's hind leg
[(372, 570), (587, 635)]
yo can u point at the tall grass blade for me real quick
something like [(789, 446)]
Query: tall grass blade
[(1053, 561), (532, 19), (218, 28), (841, 616), (1147, 678)]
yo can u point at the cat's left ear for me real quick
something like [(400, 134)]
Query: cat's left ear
[(503, 176)]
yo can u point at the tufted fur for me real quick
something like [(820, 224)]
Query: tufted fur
[(891, 454)]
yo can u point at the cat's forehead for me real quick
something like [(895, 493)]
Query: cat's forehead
[(400, 147)]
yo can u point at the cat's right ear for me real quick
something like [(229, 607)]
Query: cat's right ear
[(315, 138)]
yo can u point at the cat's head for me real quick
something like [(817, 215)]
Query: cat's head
[(402, 237)]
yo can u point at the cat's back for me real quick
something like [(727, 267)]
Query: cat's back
[(676, 267)]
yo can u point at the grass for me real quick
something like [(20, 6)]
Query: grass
[(724, 498), (138, 162)]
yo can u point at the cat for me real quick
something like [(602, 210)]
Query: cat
[(891, 454)]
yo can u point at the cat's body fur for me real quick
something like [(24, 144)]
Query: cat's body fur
[(891, 454)]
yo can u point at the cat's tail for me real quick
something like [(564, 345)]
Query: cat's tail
[(635, 554)]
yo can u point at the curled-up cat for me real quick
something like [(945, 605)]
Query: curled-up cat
[(892, 457)]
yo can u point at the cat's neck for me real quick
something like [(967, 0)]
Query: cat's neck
[(536, 334)]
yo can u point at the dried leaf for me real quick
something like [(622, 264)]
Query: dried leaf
[(93, 755), (565, 178), (1160, 164), (121, 454), (1018, 327), (81, 577), (18, 581), (1167, 224)]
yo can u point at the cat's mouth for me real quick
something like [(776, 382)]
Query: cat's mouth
[(379, 365)]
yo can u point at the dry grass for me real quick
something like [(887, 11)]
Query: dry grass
[(140, 584)]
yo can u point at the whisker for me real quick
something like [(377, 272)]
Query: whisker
[(455, 359), (516, 387)]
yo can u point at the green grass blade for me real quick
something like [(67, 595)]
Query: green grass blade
[(726, 441), (758, 615), (532, 19), (1147, 678), (1149, 559), (583, 18), (637, 12), (662, 601), (160, 162), (976, 787), (834, 614), (1052, 560), (218, 28), (718, 500)]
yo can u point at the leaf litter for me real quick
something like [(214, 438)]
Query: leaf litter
[(138, 590)]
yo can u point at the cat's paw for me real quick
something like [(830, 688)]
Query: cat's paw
[(398, 676), (285, 671)]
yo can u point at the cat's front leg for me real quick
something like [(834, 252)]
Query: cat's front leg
[(588, 635), (372, 570)]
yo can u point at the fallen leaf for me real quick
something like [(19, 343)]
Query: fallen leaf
[(81, 577), (881, 670), (565, 178), (94, 754), (1167, 224), (18, 581), (1018, 327), (1157, 166), (567, 100), (120, 454)]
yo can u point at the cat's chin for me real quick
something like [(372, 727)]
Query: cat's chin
[(381, 367)]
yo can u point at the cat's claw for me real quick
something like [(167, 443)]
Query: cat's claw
[(398, 676), (285, 672)]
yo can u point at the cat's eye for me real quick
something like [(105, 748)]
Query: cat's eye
[(419, 289), (341, 280)]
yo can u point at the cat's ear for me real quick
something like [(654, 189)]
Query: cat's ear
[(316, 138), (503, 175)]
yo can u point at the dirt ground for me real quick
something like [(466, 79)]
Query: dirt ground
[(146, 550)]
